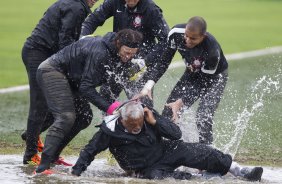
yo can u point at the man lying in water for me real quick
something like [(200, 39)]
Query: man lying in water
[(148, 144)]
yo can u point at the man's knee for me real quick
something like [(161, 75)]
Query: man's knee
[(62, 125), (65, 120), (68, 117)]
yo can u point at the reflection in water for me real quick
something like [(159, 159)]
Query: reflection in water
[(12, 171)]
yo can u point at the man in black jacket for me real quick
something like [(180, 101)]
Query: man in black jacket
[(135, 136), (74, 73), (141, 15), (205, 76), (59, 27)]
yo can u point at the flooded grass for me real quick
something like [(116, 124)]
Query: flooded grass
[(12, 171), (247, 125)]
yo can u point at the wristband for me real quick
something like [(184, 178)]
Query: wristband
[(113, 107), (147, 87)]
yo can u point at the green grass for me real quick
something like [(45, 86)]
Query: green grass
[(239, 25), (261, 139)]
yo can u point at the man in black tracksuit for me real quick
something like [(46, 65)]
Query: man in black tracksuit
[(135, 137), (75, 72), (205, 76), (59, 27), (141, 15)]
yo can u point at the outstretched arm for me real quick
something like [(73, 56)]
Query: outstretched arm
[(97, 18), (98, 143), (93, 76)]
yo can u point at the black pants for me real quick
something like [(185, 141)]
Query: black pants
[(193, 155), (38, 113), (190, 88), (71, 112)]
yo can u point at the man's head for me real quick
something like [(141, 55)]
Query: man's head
[(91, 3), (131, 3), (132, 117), (195, 31), (128, 41)]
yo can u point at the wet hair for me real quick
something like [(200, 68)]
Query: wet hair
[(129, 38), (197, 24), (132, 110)]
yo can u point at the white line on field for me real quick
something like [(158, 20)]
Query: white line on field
[(236, 56), (241, 55), (14, 89)]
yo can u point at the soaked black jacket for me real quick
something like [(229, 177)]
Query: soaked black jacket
[(132, 152), (60, 25), (208, 55), (146, 18), (87, 64)]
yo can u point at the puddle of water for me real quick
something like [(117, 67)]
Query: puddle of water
[(13, 171)]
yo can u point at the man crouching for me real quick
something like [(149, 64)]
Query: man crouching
[(148, 144)]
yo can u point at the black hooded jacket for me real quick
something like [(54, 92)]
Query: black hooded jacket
[(146, 18), (208, 54), (60, 25), (132, 152), (87, 64)]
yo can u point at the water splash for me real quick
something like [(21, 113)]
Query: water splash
[(243, 108), (254, 104)]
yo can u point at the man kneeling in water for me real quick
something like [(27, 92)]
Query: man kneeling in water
[(135, 136)]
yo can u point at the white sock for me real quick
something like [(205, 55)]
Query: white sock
[(235, 169)]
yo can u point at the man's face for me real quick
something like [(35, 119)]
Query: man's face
[(193, 37), (133, 126), (91, 3), (131, 3), (126, 53)]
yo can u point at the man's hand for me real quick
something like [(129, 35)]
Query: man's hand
[(146, 91), (140, 95), (149, 117), (175, 107)]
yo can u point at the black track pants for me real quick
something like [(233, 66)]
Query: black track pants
[(193, 155), (32, 58), (69, 116), (209, 91)]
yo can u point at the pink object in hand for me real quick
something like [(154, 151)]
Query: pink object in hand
[(113, 107)]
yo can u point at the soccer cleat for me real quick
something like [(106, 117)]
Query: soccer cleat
[(34, 160), (40, 145), (61, 161), (253, 174), (46, 172)]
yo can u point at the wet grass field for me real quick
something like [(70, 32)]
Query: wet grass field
[(100, 172), (247, 122)]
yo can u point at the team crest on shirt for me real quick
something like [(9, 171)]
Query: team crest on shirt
[(137, 21), (194, 64)]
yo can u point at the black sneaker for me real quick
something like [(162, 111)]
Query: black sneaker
[(253, 174)]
